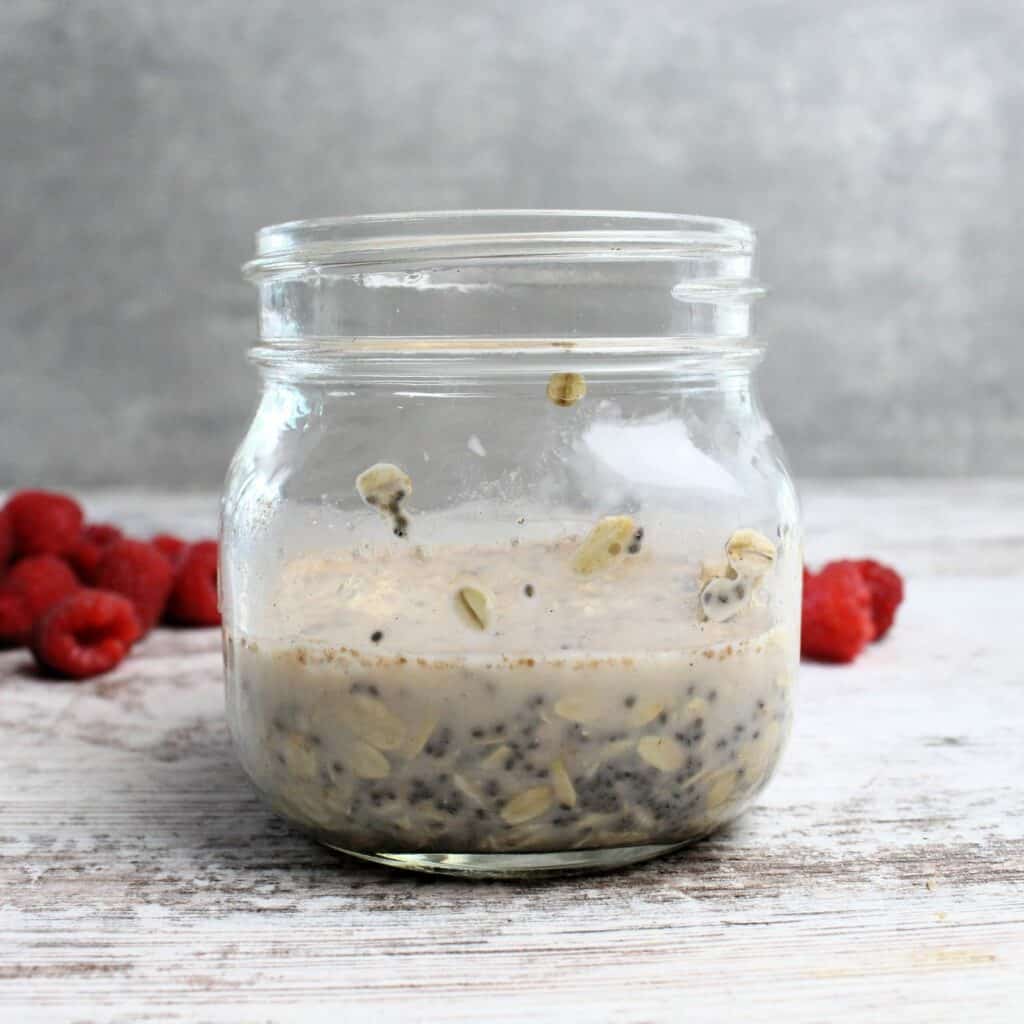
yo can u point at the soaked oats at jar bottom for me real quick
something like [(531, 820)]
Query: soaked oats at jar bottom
[(419, 749), (642, 712), (300, 757), (562, 784), (664, 754), (367, 762), (368, 719), (417, 738), (496, 758), (582, 707), (528, 805)]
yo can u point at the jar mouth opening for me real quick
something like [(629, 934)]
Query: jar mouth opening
[(476, 236)]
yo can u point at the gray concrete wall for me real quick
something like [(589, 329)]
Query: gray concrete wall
[(878, 147)]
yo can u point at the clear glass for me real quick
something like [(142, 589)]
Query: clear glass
[(510, 558)]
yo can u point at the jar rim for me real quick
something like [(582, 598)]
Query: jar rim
[(521, 235)]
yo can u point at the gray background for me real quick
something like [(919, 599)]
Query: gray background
[(878, 147)]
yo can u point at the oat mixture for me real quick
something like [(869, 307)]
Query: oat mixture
[(589, 693)]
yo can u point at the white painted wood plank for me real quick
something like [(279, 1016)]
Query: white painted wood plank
[(881, 875)]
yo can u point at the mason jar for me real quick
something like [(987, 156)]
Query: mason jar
[(510, 557)]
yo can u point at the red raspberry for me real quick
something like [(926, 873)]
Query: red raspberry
[(43, 523), (85, 556), (886, 586), (194, 597), (836, 614), (171, 547), (6, 539), (85, 634), (32, 587), (139, 572)]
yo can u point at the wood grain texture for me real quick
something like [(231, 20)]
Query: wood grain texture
[(880, 877)]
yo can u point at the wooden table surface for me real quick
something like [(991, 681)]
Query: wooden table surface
[(879, 878)]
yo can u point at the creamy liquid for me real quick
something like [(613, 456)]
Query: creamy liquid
[(593, 711)]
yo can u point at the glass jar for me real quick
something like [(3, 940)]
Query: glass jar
[(511, 561)]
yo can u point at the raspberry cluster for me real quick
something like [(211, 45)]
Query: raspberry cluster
[(846, 606), (81, 594)]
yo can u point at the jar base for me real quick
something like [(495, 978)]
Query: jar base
[(516, 865)]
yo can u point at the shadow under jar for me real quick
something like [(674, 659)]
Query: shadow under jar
[(511, 562)]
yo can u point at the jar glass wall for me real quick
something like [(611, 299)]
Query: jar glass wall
[(511, 562)]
